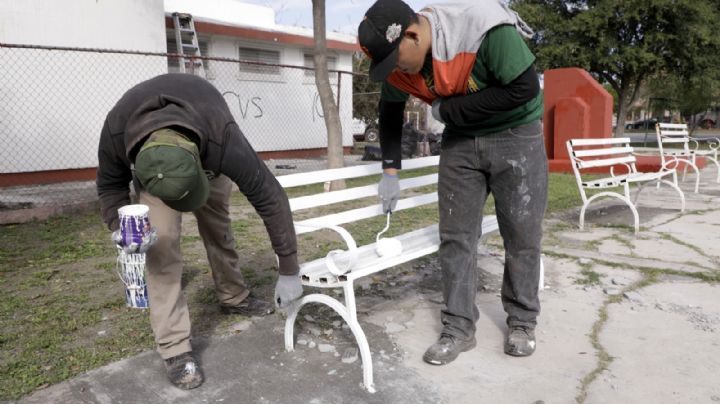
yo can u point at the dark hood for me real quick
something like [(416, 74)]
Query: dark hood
[(163, 111)]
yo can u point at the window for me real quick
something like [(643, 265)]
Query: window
[(310, 62), (174, 64), (260, 55)]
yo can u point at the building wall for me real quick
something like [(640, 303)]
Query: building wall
[(53, 103), (279, 110)]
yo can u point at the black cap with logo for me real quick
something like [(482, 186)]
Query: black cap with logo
[(380, 33)]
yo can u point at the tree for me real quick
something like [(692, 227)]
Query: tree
[(624, 43), (366, 93), (327, 98), (690, 96)]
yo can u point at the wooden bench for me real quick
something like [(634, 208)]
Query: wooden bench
[(605, 154), (341, 268)]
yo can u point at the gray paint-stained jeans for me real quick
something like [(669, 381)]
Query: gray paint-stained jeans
[(511, 165)]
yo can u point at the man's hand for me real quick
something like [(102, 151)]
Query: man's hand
[(287, 290), (436, 110), (135, 248), (389, 191)]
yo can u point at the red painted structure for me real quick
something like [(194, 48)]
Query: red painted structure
[(576, 106)]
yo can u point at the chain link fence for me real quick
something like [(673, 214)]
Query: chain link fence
[(53, 102)]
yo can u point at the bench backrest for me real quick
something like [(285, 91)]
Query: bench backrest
[(605, 152), (674, 135), (354, 193), (600, 154)]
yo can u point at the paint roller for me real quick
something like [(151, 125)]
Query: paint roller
[(387, 247)]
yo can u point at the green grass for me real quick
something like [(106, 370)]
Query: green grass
[(63, 310)]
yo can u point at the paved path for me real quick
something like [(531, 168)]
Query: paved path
[(624, 319)]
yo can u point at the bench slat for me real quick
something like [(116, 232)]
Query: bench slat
[(599, 141), (672, 125), (314, 177), (329, 198), (674, 140), (604, 162), (415, 244), (309, 225), (606, 151)]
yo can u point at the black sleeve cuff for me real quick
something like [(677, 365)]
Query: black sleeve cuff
[(390, 121)]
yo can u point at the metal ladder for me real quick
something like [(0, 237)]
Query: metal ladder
[(187, 44)]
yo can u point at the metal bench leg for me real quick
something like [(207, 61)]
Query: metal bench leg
[(697, 173), (717, 164), (350, 320), (679, 191), (349, 292), (627, 201)]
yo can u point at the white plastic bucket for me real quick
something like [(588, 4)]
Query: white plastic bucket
[(131, 269)]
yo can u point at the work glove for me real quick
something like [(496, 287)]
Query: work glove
[(436, 110), (287, 290), (389, 192), (135, 248)]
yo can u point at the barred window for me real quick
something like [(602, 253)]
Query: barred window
[(260, 55), (309, 61)]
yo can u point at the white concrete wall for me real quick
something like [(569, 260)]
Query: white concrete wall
[(280, 112), (53, 103)]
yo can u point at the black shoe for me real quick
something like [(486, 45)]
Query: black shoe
[(447, 349), (251, 306), (520, 341), (184, 371)]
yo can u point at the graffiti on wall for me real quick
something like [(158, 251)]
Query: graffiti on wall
[(250, 105)]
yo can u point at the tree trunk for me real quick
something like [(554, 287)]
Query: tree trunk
[(327, 98), (625, 100), (621, 114)]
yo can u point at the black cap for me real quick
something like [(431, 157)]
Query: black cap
[(380, 33)]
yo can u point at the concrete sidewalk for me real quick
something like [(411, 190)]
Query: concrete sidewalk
[(624, 319)]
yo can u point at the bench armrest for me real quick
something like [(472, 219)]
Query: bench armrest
[(612, 169), (350, 254)]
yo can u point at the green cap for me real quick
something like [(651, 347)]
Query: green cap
[(168, 166)]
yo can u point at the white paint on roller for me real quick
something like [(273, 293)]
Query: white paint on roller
[(387, 247)]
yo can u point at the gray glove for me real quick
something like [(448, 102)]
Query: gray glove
[(389, 192), (436, 110), (287, 290), (135, 248)]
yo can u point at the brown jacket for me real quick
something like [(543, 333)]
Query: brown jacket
[(191, 104)]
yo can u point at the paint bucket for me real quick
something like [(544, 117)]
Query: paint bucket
[(134, 224), (131, 270), (134, 228)]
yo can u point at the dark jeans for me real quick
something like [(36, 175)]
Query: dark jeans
[(511, 165)]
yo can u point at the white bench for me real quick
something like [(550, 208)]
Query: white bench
[(604, 154), (340, 268), (676, 136)]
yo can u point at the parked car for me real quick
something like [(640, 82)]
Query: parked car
[(363, 132), (642, 124)]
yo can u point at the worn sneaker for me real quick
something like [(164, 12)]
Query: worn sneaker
[(251, 306), (447, 349), (184, 371), (520, 341)]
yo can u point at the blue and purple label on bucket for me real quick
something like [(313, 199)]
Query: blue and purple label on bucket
[(134, 226)]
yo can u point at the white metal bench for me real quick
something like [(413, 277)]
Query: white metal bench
[(676, 134), (340, 269), (606, 153)]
